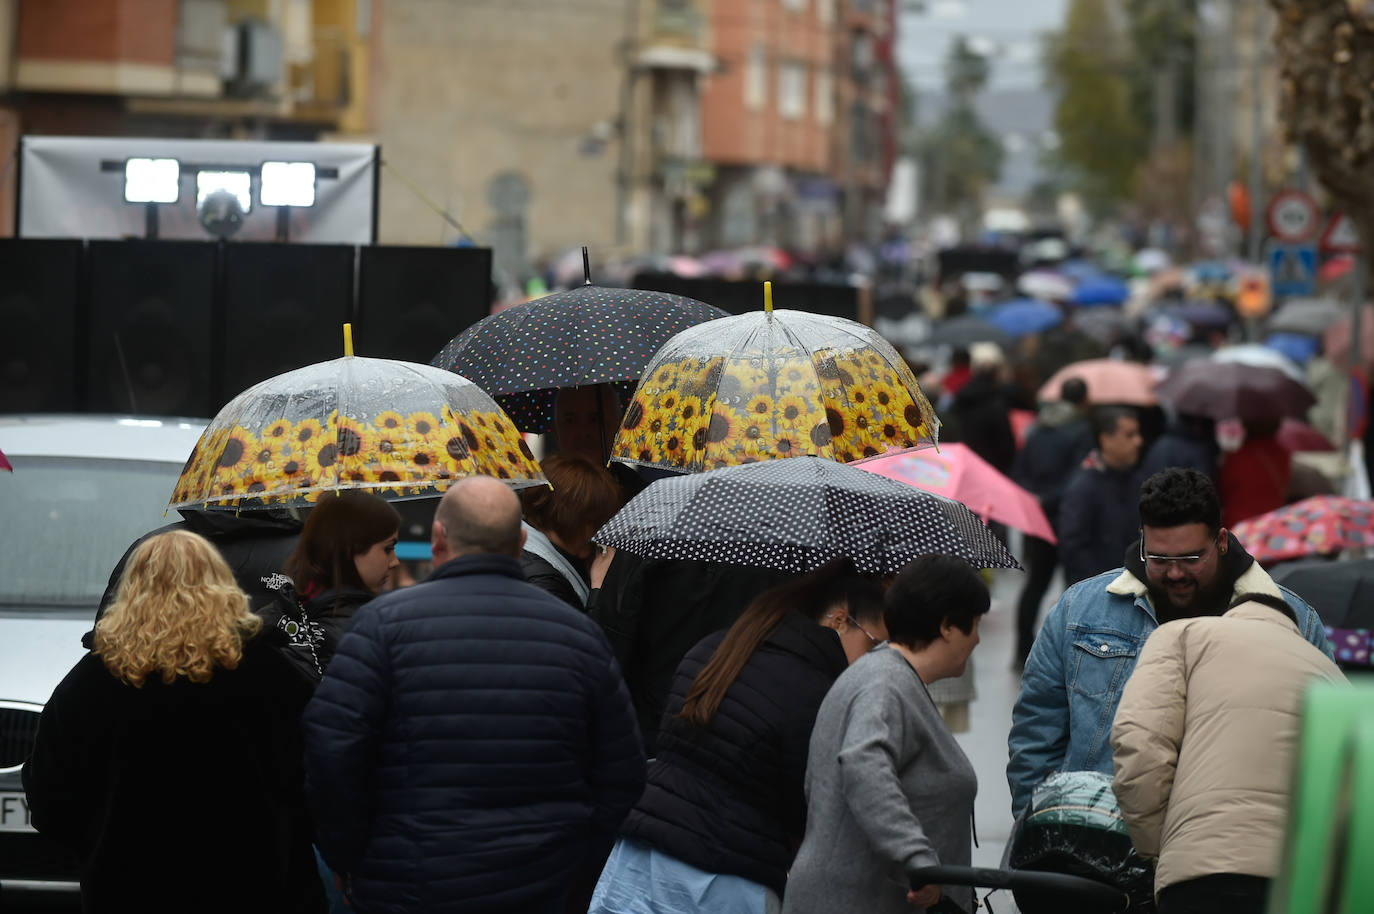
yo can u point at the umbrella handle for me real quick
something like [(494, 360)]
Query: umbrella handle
[(348, 339)]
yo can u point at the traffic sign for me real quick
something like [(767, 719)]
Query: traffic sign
[(1292, 268), (1341, 236), (1293, 216)]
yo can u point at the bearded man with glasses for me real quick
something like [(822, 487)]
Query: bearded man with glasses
[(1185, 564)]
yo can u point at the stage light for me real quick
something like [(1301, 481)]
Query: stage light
[(152, 180), (233, 182), (287, 184)]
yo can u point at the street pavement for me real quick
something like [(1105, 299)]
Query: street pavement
[(990, 717)]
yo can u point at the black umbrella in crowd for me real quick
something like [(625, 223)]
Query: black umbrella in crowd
[(1233, 390), (965, 330), (589, 335), (1342, 593), (795, 515)]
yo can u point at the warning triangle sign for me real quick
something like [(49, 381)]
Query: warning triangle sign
[(1340, 236)]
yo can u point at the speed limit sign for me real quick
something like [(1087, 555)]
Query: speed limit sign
[(1293, 216)]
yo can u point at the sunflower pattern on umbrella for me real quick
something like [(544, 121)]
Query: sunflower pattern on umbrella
[(276, 445), (772, 399)]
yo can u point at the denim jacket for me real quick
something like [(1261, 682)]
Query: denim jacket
[(1078, 668)]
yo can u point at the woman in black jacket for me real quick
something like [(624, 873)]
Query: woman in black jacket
[(724, 803), (170, 758), (344, 558)]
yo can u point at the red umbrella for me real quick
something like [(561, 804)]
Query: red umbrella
[(957, 472), (5, 464), (1321, 525), (1297, 435)]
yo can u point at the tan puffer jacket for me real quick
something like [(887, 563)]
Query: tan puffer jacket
[(1204, 741)]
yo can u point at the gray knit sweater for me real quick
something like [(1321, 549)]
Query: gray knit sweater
[(888, 789)]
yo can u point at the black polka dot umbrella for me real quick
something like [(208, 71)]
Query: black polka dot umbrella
[(794, 515), (588, 335)]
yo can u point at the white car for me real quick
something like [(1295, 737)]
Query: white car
[(84, 487)]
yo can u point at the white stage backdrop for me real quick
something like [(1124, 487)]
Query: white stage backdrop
[(73, 187)]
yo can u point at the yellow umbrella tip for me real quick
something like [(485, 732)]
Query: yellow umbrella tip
[(767, 297), (348, 339)]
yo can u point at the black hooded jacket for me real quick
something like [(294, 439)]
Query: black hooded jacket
[(311, 627), (256, 545)]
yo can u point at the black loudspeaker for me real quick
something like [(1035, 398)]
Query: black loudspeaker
[(150, 326), (739, 296), (412, 301), (284, 308), (39, 282)]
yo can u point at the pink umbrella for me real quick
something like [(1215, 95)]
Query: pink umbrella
[(5, 464), (689, 267), (958, 473), (1108, 380)]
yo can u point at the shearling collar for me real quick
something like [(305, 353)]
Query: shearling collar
[(1253, 580)]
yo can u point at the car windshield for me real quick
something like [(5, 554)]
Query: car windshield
[(67, 521)]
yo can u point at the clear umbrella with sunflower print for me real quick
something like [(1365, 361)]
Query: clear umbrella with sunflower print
[(773, 384), (400, 429)]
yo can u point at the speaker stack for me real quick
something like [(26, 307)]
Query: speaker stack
[(181, 327)]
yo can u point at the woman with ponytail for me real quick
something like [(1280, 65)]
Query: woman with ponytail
[(724, 809)]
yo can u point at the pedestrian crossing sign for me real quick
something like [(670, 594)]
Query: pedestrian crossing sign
[(1292, 268)]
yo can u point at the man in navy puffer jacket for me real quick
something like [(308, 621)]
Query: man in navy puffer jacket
[(472, 742)]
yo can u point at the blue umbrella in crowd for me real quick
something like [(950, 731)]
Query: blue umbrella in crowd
[(1298, 347), (1080, 270), (1100, 290), (1025, 316)]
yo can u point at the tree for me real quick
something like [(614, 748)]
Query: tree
[(1163, 38), (960, 157), (1326, 61), (1101, 138)]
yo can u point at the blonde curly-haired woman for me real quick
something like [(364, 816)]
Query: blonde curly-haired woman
[(169, 758)]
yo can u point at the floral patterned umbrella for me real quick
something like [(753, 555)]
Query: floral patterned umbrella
[(1322, 525), (773, 384), (400, 429)]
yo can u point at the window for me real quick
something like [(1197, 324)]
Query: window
[(756, 79), (792, 90), (825, 97)]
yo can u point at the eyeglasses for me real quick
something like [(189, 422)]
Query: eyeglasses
[(855, 622), (1190, 562)]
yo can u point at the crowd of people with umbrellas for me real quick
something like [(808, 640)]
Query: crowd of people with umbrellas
[(747, 554)]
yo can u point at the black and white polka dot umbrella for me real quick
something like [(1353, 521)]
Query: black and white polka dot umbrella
[(797, 514), (584, 336)]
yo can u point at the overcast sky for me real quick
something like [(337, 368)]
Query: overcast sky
[(1010, 29)]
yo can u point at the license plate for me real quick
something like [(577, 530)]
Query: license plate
[(14, 812)]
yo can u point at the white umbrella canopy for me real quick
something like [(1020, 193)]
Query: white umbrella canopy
[(1045, 284), (1262, 357)]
